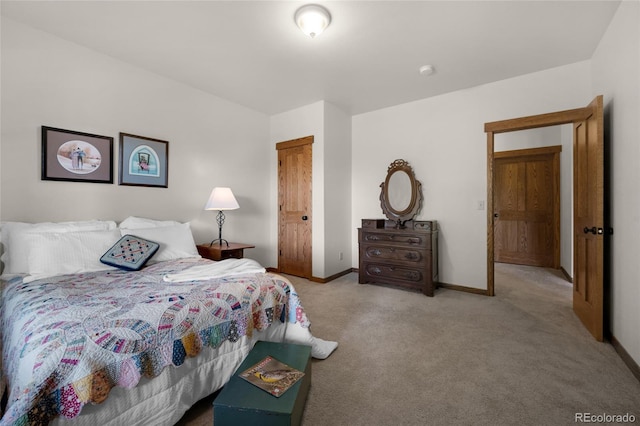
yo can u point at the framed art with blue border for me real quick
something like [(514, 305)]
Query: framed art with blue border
[(143, 161), (76, 156)]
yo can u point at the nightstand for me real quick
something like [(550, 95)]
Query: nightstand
[(221, 252)]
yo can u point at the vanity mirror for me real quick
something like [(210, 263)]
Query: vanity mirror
[(404, 255), (401, 193)]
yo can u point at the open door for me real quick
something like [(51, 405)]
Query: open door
[(588, 206), (588, 189)]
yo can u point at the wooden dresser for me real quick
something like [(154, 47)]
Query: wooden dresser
[(406, 257)]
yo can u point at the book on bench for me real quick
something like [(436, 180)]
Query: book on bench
[(272, 375)]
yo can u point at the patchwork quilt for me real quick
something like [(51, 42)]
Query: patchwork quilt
[(68, 340)]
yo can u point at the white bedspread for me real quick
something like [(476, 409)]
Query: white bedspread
[(223, 268)]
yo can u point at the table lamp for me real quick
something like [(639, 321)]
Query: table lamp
[(221, 198)]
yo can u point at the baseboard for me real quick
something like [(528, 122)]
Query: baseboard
[(332, 277), (566, 275), (452, 287), (626, 358), (317, 279), (456, 287)]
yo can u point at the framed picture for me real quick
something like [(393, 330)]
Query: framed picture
[(76, 156), (143, 161)]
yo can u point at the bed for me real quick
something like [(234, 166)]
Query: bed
[(89, 343)]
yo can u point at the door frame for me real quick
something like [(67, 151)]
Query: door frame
[(293, 143), (513, 125)]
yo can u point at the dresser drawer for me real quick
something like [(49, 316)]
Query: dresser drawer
[(381, 272), (384, 252), (426, 225), (399, 257), (373, 223), (412, 239)]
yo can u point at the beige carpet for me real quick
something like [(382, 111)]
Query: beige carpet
[(521, 357)]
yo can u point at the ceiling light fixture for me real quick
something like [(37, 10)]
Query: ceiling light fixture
[(312, 19), (427, 70)]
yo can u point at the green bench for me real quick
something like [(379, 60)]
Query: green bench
[(242, 403)]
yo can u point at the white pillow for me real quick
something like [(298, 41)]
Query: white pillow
[(16, 254), (133, 222), (60, 253), (176, 242)]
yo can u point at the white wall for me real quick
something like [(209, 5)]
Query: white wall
[(616, 75), (443, 139), (331, 192), (212, 142), (337, 191), (294, 124)]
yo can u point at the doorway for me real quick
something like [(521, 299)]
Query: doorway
[(588, 198)]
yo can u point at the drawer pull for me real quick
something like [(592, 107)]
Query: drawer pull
[(413, 241), (376, 252), (414, 276), (411, 256), (377, 271)]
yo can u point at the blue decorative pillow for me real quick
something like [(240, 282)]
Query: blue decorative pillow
[(130, 253)]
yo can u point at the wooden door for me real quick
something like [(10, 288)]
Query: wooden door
[(588, 198), (527, 207), (294, 204)]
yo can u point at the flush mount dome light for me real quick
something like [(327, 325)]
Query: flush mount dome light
[(312, 19), (427, 70)]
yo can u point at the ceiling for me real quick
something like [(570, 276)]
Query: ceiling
[(252, 53)]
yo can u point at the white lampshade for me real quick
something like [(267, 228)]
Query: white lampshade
[(221, 198), (312, 19)]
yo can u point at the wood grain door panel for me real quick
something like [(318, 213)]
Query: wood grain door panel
[(526, 207), (294, 205), (588, 172)]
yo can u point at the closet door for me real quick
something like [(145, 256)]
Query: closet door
[(527, 207), (294, 205)]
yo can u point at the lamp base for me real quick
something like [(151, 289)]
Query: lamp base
[(220, 220), (220, 240)]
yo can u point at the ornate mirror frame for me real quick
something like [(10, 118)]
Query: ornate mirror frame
[(414, 204)]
